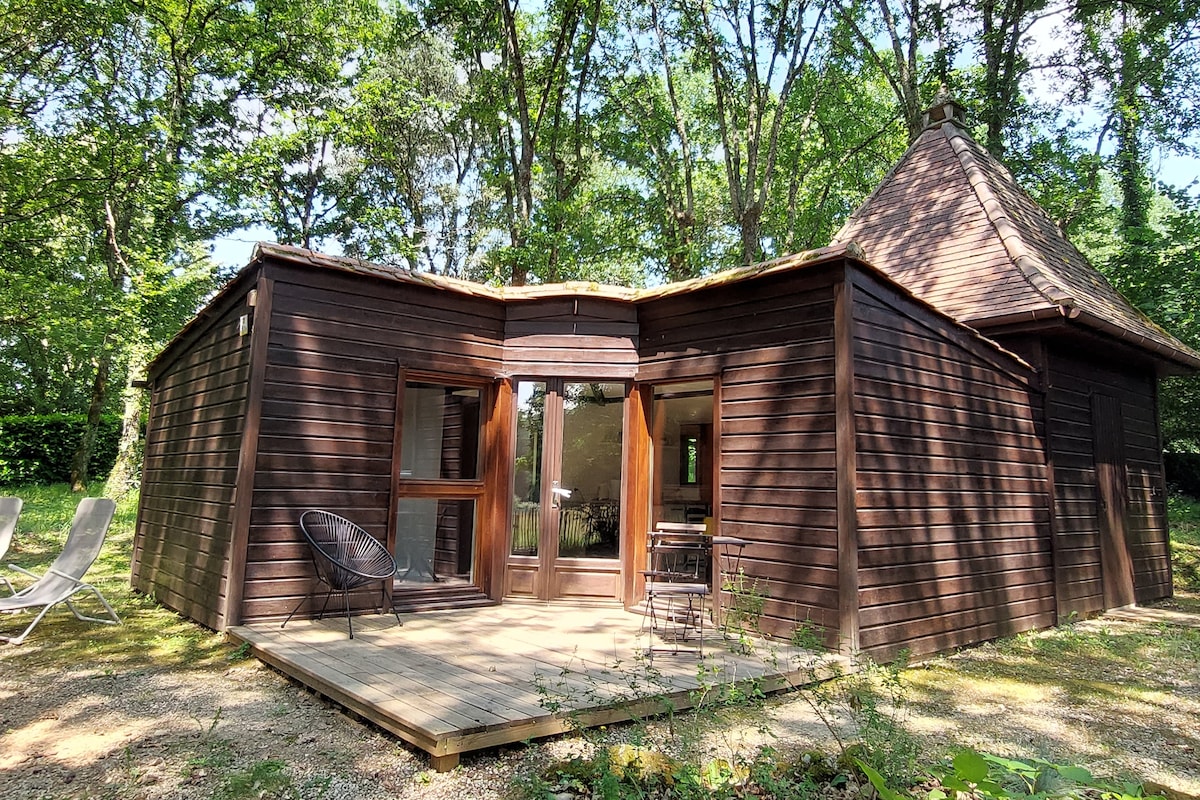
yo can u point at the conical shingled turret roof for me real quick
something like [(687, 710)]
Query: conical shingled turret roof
[(951, 224)]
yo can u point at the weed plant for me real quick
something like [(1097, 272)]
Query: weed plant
[(742, 614), (988, 777)]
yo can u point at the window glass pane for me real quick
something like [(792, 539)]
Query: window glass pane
[(589, 520), (435, 542), (440, 437), (527, 485), (682, 442)]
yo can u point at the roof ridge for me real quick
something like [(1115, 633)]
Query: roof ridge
[(1023, 257)]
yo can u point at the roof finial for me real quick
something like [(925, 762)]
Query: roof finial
[(944, 109)]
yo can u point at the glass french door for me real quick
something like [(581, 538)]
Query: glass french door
[(567, 489)]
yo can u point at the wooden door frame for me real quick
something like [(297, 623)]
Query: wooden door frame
[(645, 488)]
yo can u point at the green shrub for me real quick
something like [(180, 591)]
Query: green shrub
[(990, 777), (39, 449)]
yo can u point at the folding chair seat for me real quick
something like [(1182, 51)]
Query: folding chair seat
[(677, 584), (64, 578), (10, 512)]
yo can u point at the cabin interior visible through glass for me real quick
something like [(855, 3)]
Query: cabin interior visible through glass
[(568, 458), (440, 486)]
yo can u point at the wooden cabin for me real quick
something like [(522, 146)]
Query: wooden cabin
[(904, 482), (951, 224)]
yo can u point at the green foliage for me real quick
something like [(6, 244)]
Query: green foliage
[(1183, 473), (613, 141), (38, 450), (743, 612), (1183, 515), (991, 777), (263, 779), (626, 772)]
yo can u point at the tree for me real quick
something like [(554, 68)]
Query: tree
[(410, 128), (906, 29), (141, 96), (755, 53)]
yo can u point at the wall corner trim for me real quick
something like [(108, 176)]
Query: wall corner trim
[(243, 495), (847, 478)]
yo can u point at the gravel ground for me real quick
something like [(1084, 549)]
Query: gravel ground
[(211, 731)]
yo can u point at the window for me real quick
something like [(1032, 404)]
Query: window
[(689, 455), (441, 432), (435, 541), (440, 486), (683, 451)]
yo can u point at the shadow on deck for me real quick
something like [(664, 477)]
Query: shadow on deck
[(450, 682)]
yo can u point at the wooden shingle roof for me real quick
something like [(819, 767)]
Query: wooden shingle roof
[(951, 224)]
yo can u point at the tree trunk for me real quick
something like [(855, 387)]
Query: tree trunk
[(1129, 165), (126, 472), (83, 454)]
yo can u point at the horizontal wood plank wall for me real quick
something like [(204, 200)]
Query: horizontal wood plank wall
[(583, 337), (189, 473), (329, 411), (771, 343), (1072, 382), (953, 515)]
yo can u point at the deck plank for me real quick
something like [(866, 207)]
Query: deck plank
[(453, 681)]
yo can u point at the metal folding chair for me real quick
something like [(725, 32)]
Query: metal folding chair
[(64, 578), (677, 584)]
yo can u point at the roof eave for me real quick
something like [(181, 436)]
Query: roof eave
[(1181, 356), (1172, 360), (210, 309)]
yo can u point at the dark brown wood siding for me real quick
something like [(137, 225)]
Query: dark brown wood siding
[(189, 475), (952, 506), (1073, 380), (770, 343), (337, 346), (571, 337)]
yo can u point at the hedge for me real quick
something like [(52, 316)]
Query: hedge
[(39, 449)]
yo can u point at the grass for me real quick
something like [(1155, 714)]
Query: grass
[(151, 636), (1183, 515)]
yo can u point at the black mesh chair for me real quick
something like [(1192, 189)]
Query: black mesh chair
[(346, 557)]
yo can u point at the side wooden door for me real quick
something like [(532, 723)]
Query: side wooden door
[(1112, 496)]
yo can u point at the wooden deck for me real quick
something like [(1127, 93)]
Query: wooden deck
[(451, 682)]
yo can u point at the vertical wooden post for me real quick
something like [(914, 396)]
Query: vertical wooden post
[(139, 538), (847, 476), (1159, 490), (493, 540), (635, 484), (1041, 356), (393, 520), (552, 458), (243, 496), (715, 476)]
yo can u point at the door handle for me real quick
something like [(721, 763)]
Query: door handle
[(558, 494)]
